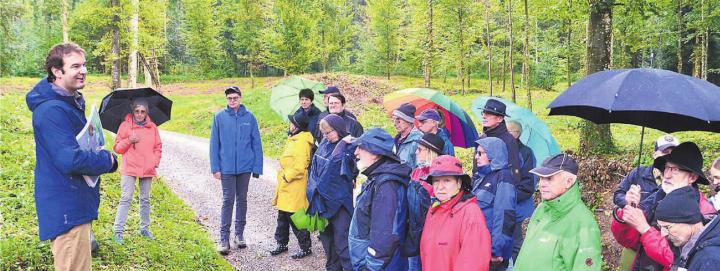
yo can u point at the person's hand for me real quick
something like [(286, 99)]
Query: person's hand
[(632, 197), (216, 175), (134, 138), (635, 218), (496, 260), (348, 139)]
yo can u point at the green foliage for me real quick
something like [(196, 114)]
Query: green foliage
[(293, 37), (384, 20), (200, 31), (544, 75), (20, 249)]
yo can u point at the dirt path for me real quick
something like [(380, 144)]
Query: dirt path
[(186, 169)]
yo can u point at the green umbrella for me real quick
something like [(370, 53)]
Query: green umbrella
[(284, 99)]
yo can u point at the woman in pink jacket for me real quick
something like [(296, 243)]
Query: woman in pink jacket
[(455, 236), (138, 141)]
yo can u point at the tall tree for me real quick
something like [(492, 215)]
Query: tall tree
[(597, 138), (134, 31), (488, 39), (200, 31), (510, 49), (427, 62), (64, 19), (384, 25), (250, 23), (335, 30), (458, 28), (292, 37), (115, 51), (679, 35), (526, 58)]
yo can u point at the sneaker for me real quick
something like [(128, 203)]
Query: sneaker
[(147, 234), (118, 237), (279, 249), (238, 242), (223, 247), (301, 254)]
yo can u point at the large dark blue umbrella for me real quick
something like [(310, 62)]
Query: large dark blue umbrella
[(659, 99), (116, 105)]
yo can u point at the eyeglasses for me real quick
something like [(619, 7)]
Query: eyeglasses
[(666, 228), (673, 170), (233, 98), (327, 133)]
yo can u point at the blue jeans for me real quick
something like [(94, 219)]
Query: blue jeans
[(414, 263), (234, 188)]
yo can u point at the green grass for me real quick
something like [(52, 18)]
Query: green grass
[(181, 242)]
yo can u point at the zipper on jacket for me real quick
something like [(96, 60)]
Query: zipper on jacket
[(237, 132)]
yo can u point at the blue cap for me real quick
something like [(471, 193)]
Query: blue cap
[(330, 90), (377, 141), (429, 114)]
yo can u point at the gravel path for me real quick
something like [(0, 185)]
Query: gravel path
[(185, 166)]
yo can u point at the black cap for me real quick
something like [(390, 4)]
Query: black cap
[(554, 164), (300, 120), (686, 155), (495, 107), (432, 142), (330, 90), (680, 206), (232, 89)]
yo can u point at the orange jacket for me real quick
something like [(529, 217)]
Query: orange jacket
[(142, 158)]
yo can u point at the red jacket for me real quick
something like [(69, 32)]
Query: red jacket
[(455, 236), (142, 158), (655, 246)]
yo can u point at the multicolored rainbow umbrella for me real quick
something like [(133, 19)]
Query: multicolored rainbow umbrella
[(458, 124)]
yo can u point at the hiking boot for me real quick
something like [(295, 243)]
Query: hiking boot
[(301, 254), (147, 234), (279, 249), (118, 237), (238, 242), (223, 247)]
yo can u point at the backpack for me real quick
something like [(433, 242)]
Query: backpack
[(418, 203)]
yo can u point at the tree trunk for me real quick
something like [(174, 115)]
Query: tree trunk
[(148, 77), (510, 48), (115, 54), (568, 42), (132, 68), (597, 138), (251, 69), (526, 60), (461, 44), (679, 36), (487, 29), (706, 32), (64, 19), (427, 63), (504, 69)]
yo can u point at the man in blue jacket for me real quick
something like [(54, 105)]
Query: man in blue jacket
[(235, 154), (65, 204)]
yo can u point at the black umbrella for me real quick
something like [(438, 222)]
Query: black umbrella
[(654, 98), (116, 105)]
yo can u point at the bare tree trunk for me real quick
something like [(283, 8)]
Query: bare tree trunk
[(512, 72), (64, 19), (132, 69), (526, 60), (251, 69), (706, 32), (504, 69), (679, 36), (427, 63), (461, 41), (568, 42), (148, 77), (489, 46), (597, 138), (115, 54)]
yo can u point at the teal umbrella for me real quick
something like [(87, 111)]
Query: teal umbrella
[(535, 135), (284, 98)]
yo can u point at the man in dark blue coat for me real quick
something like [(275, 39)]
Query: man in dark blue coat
[(307, 107), (493, 122), (528, 184), (65, 203)]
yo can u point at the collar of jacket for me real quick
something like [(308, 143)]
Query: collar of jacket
[(560, 206), (497, 130), (241, 110), (453, 204), (369, 170), (313, 110)]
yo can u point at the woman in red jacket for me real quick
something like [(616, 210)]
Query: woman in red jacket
[(455, 236), (139, 143)]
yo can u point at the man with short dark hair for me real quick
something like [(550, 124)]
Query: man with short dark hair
[(65, 204), (306, 97), (429, 122), (235, 155)]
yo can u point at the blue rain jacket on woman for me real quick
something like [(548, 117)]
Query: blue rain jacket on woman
[(235, 146), (330, 183), (494, 187), (62, 198), (378, 224)]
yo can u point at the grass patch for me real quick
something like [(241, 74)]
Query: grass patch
[(180, 241)]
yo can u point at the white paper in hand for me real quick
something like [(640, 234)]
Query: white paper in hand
[(91, 139)]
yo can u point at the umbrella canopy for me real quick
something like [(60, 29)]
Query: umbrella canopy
[(535, 134), (284, 98), (460, 127), (654, 98), (116, 105)]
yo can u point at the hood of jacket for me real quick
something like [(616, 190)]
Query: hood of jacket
[(496, 151), (45, 91), (388, 169), (148, 124)]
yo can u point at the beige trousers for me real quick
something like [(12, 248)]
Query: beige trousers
[(71, 250)]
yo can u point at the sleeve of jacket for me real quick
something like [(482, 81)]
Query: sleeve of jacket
[(301, 156), (53, 129), (526, 186), (122, 143), (588, 254), (625, 234), (623, 187), (257, 148), (157, 150), (657, 247), (475, 243), (384, 241), (504, 219), (215, 145)]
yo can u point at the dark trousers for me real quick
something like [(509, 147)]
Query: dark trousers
[(282, 231), (501, 266), (335, 242), (234, 189), (518, 238)]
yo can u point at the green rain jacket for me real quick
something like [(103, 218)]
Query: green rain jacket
[(562, 235)]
